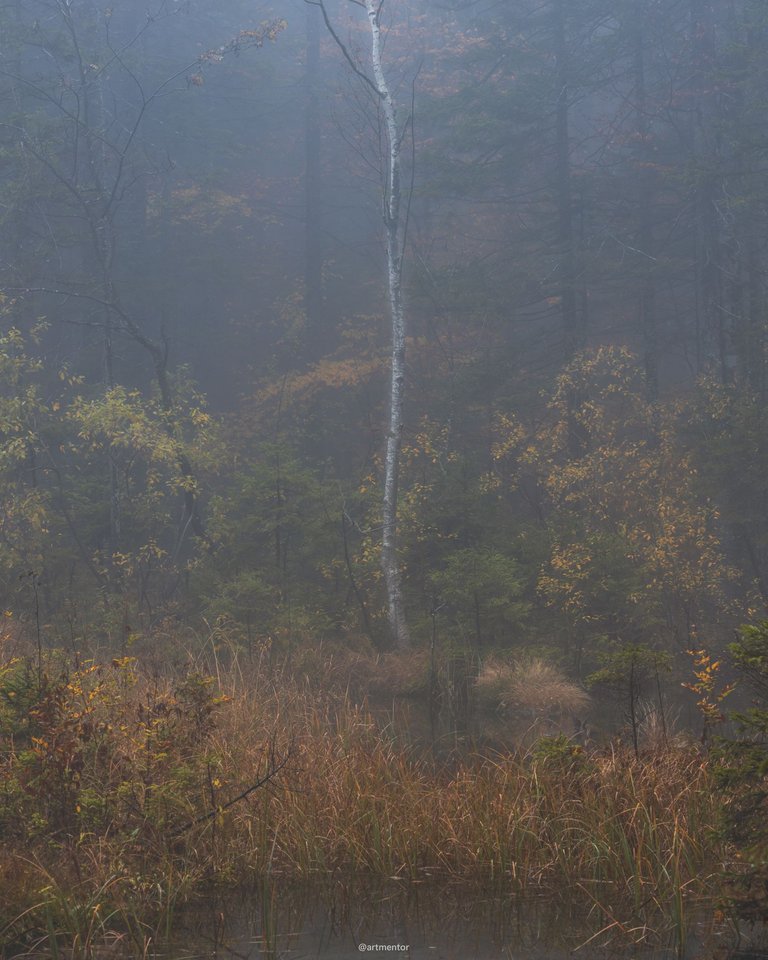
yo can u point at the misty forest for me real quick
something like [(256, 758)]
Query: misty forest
[(384, 474)]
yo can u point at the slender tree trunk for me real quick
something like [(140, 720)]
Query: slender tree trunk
[(747, 244), (90, 170), (313, 249), (391, 209), (572, 332), (712, 333), (646, 197)]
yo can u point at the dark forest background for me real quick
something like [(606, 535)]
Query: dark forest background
[(195, 343)]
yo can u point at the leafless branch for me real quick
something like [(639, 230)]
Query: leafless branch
[(343, 47), (274, 766)]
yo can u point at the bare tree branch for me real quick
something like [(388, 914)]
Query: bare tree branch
[(342, 46), (273, 768)]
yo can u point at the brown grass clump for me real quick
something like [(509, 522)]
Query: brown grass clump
[(391, 674), (362, 674), (529, 687)]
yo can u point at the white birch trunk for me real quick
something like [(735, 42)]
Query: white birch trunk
[(394, 237)]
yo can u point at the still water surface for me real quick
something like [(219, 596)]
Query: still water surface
[(425, 922)]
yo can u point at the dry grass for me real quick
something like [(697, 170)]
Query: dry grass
[(360, 674), (628, 836), (352, 801), (531, 688)]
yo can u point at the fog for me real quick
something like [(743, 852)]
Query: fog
[(383, 475), (198, 416)]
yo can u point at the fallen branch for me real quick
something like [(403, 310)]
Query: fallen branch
[(272, 770)]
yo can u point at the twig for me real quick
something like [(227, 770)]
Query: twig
[(347, 55), (211, 814)]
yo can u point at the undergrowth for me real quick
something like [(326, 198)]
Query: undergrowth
[(122, 795)]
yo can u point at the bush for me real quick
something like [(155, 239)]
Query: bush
[(742, 771), (94, 749)]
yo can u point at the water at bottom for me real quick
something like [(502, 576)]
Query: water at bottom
[(428, 921)]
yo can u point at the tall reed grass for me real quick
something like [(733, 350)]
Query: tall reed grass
[(354, 799), (631, 837)]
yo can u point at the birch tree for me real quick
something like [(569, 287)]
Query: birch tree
[(394, 229)]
